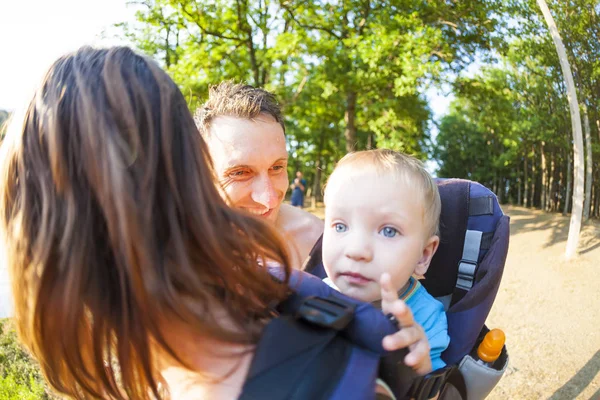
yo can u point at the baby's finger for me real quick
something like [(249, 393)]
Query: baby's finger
[(402, 312), (419, 358), (388, 294), (405, 337)]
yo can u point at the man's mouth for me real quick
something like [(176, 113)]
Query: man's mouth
[(263, 213)]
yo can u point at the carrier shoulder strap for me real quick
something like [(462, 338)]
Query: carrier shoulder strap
[(295, 361), (474, 242), (301, 354)]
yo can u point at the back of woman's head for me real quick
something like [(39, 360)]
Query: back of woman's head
[(113, 223)]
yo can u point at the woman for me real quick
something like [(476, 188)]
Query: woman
[(132, 278), (118, 241)]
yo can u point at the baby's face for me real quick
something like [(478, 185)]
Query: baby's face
[(373, 224)]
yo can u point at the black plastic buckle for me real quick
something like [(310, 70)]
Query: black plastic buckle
[(330, 312), (428, 386)]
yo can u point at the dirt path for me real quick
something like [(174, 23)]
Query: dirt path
[(550, 310)]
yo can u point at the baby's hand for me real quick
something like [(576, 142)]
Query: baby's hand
[(410, 335)]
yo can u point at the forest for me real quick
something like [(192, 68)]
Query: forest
[(353, 75)]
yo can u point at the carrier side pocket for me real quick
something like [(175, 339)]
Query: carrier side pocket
[(480, 379)]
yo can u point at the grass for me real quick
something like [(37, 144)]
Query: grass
[(20, 376)]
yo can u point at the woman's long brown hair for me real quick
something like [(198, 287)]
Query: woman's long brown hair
[(112, 221)]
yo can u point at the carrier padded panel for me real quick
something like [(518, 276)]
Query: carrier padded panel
[(440, 278), (314, 263)]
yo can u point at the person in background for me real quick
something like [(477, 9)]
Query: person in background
[(298, 188)]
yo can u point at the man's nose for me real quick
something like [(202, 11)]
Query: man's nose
[(264, 192)]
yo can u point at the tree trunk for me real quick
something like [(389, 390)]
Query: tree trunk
[(597, 207), (562, 177), (568, 188), (575, 225), (597, 202), (519, 198), (533, 178), (593, 206), (519, 184), (317, 192), (597, 194), (370, 141), (588, 166), (551, 197), (350, 131), (544, 187), (295, 155), (560, 183), (525, 184)]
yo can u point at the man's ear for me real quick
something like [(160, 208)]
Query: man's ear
[(431, 246)]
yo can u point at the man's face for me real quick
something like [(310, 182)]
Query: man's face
[(250, 160)]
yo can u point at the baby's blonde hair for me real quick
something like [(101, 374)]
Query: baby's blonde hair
[(401, 166)]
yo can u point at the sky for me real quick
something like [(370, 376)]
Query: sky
[(34, 33)]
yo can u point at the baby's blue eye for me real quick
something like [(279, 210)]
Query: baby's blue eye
[(388, 232), (339, 227)]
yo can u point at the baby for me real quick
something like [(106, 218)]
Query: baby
[(382, 213)]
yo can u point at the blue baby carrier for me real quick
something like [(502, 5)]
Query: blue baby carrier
[(464, 275), (324, 345)]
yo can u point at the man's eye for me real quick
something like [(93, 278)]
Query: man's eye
[(339, 227), (278, 167), (389, 232), (237, 174)]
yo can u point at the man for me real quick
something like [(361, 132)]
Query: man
[(243, 127), (298, 188)]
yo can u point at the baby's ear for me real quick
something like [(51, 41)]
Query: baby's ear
[(431, 246)]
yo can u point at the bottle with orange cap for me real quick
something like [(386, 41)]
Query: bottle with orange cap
[(490, 347)]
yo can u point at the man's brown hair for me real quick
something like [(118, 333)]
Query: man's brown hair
[(113, 223), (237, 100)]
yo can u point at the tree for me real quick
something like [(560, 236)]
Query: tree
[(508, 129), (382, 53), (575, 225), (349, 73)]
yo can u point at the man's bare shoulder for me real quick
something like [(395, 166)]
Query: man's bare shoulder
[(300, 223), (303, 228)]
